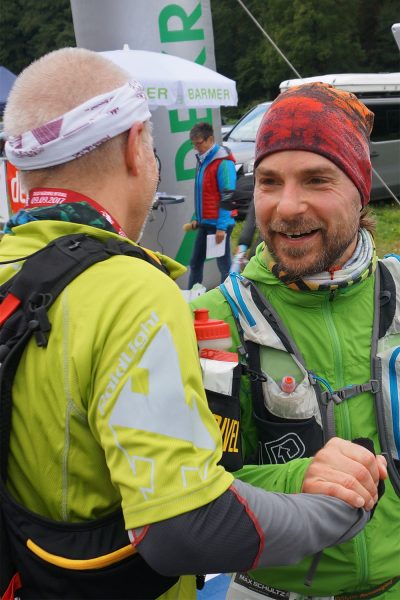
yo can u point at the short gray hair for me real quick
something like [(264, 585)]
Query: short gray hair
[(54, 85)]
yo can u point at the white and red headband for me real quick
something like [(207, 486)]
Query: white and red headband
[(80, 130)]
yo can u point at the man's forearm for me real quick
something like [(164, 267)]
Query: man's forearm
[(247, 528)]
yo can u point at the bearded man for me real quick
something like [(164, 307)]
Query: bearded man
[(316, 324)]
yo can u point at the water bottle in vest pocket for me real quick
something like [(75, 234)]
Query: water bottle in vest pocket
[(221, 378), (288, 420), (301, 402)]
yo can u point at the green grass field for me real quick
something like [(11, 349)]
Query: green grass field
[(387, 237)]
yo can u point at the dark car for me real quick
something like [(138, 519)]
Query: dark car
[(241, 140)]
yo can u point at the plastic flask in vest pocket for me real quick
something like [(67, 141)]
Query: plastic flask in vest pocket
[(290, 425), (221, 378)]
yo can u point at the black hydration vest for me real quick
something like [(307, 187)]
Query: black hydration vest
[(298, 424), (90, 560)]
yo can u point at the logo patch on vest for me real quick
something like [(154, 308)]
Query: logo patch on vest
[(282, 450)]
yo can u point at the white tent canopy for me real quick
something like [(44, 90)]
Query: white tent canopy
[(173, 81)]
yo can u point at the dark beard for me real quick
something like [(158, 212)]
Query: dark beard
[(333, 248)]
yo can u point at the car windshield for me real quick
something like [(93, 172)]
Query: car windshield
[(246, 129)]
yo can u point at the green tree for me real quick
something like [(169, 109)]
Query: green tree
[(316, 36), (376, 19), (31, 28)]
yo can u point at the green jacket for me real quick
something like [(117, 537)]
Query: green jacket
[(334, 337)]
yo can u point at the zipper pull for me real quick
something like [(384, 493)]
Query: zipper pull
[(332, 295)]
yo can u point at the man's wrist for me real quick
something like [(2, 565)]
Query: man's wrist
[(296, 470)]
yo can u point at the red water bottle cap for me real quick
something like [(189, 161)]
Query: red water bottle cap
[(218, 355), (209, 329), (288, 384)]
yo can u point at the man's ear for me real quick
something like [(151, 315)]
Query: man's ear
[(134, 147)]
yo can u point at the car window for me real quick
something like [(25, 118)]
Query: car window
[(246, 129), (386, 122)]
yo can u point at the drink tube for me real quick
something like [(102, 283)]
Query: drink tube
[(239, 259)]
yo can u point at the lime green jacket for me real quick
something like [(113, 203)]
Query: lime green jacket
[(95, 412), (334, 337)]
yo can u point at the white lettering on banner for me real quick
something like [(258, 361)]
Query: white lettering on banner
[(207, 94), (17, 196), (154, 93), (126, 357)]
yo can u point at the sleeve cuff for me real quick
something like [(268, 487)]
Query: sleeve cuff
[(295, 473)]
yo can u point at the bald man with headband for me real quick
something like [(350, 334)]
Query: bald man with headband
[(316, 316), (114, 488)]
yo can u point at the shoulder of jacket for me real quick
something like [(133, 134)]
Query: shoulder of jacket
[(125, 271), (392, 263), (393, 258), (222, 153)]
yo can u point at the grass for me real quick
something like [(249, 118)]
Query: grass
[(387, 236)]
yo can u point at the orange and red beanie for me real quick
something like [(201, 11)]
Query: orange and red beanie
[(319, 118)]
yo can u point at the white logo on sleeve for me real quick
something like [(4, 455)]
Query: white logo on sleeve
[(163, 410)]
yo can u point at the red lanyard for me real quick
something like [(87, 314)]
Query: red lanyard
[(54, 196)]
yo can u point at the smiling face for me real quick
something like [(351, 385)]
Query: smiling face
[(307, 210)]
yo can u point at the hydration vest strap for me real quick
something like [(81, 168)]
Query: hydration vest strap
[(349, 391), (256, 379), (387, 308), (330, 430), (242, 349), (330, 398)]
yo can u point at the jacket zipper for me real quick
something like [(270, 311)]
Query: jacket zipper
[(359, 540)]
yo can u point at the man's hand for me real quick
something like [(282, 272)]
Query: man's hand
[(219, 236), (347, 471)]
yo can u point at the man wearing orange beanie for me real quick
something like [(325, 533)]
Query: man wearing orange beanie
[(316, 319)]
